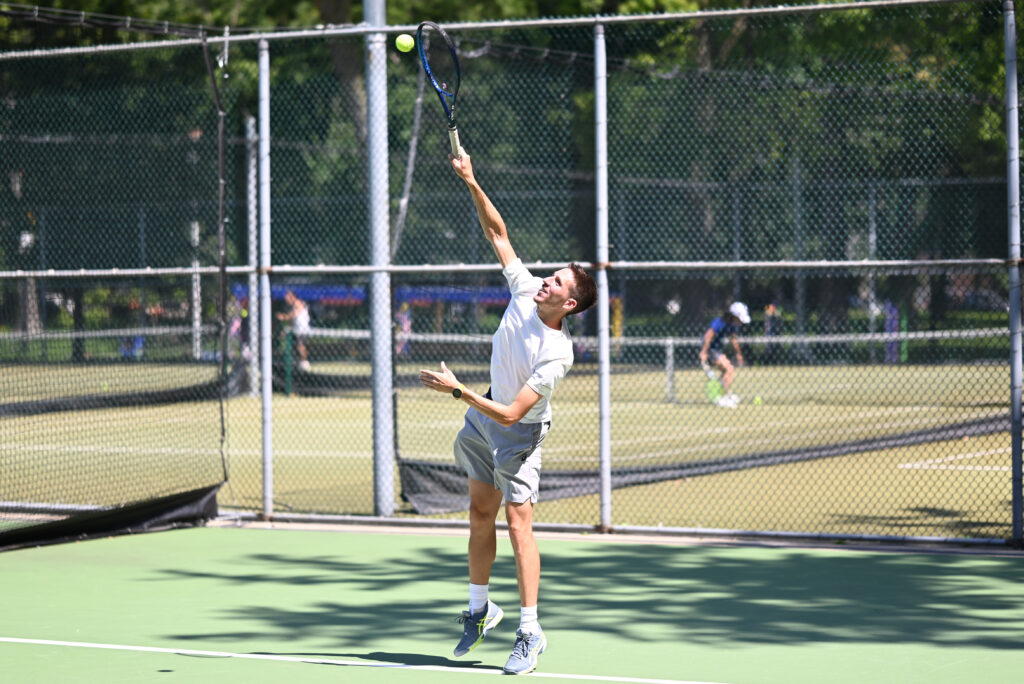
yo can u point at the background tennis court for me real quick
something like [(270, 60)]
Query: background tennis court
[(722, 468)]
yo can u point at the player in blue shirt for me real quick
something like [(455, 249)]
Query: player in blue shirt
[(712, 352)]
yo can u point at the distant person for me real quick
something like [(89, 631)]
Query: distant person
[(298, 314), (245, 328), (237, 328), (772, 328), (499, 445), (403, 328), (892, 329), (712, 353)]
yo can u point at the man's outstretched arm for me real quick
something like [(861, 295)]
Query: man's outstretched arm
[(490, 220)]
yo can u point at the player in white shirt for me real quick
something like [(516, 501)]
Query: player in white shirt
[(500, 443), (298, 314)]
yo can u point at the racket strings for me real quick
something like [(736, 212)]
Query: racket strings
[(440, 62), (444, 77)]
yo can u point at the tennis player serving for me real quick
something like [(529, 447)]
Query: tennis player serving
[(499, 445)]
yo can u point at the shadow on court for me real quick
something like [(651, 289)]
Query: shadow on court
[(416, 659), (712, 596), (917, 520)]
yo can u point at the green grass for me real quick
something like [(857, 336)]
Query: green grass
[(30, 382)]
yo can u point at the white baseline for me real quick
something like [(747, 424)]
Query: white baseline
[(943, 463), (328, 661)]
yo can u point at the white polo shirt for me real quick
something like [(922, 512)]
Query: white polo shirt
[(525, 351)]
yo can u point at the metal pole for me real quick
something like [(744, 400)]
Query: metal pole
[(872, 253), (197, 312), (380, 255), (253, 208), (601, 211), (1013, 225), (670, 371), (266, 351), (42, 283), (142, 264), (800, 286), (737, 242)]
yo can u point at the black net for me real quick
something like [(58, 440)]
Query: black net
[(114, 371), (104, 421)]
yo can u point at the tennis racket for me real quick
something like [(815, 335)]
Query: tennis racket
[(441, 65)]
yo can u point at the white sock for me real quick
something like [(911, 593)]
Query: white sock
[(477, 597), (528, 620)]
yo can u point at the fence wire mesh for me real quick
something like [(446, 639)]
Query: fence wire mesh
[(751, 157), (111, 382)]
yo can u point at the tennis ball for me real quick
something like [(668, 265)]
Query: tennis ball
[(404, 42), (758, 401)]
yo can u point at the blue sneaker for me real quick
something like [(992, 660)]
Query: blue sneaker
[(525, 653), (475, 627)]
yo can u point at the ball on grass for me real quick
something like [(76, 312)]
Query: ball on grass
[(405, 42)]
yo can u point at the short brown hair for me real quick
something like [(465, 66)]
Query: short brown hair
[(584, 289)]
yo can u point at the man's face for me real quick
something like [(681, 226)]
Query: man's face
[(556, 290)]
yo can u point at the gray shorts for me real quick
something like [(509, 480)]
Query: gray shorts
[(507, 457)]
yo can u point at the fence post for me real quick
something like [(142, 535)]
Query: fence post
[(197, 294), (252, 308), (872, 255), (380, 256), (670, 370), (1013, 225), (289, 365), (601, 194), (266, 343)]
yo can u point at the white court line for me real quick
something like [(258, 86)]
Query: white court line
[(176, 451), (941, 463), (328, 661)]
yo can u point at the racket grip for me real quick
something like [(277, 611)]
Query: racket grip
[(453, 137)]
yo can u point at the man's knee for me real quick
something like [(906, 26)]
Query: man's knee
[(481, 514), (520, 519), (484, 502)]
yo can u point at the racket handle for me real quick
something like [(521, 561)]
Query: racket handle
[(453, 136)]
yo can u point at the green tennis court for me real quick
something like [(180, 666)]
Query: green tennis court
[(227, 604)]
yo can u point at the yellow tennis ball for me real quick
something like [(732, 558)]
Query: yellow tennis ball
[(405, 42)]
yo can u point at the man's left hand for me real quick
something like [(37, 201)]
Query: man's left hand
[(445, 381)]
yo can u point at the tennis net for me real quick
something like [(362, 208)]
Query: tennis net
[(107, 428), (913, 389)]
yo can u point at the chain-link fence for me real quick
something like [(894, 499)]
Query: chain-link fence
[(841, 171)]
